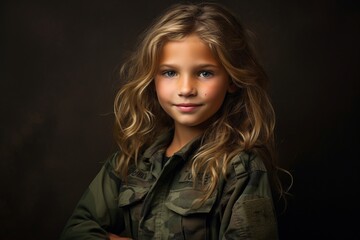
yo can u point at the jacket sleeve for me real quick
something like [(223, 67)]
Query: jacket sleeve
[(97, 212), (249, 212)]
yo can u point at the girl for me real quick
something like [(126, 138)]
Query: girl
[(194, 125)]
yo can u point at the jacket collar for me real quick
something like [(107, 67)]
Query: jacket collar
[(164, 140)]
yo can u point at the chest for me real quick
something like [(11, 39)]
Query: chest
[(159, 205)]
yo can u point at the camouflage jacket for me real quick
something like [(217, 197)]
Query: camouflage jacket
[(156, 201)]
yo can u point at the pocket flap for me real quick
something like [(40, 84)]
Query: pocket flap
[(129, 195), (181, 202)]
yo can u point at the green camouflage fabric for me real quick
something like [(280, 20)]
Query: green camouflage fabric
[(156, 201)]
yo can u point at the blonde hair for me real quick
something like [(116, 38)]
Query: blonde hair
[(244, 123)]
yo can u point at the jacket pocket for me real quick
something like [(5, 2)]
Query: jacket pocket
[(131, 202), (193, 219)]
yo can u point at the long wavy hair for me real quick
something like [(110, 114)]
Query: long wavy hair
[(246, 119)]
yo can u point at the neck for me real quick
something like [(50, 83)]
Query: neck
[(182, 136)]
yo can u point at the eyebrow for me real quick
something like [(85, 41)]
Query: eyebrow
[(196, 66)]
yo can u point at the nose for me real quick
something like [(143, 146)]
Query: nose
[(187, 86)]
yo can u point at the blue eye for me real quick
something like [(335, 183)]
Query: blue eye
[(169, 73), (205, 74)]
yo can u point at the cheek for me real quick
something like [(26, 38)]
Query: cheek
[(163, 91), (215, 93), (159, 88)]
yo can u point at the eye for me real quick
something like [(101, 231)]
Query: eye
[(205, 74), (169, 73)]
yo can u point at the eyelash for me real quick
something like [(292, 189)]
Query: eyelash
[(171, 73), (209, 73), (167, 72)]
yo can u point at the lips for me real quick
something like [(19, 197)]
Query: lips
[(187, 107)]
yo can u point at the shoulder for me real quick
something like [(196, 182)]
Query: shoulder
[(247, 173), (246, 163), (111, 163)]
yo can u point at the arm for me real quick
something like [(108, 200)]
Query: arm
[(249, 213), (97, 213)]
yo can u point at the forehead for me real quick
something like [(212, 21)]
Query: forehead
[(190, 48)]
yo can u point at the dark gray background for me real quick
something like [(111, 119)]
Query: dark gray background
[(59, 77)]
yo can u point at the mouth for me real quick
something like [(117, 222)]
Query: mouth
[(187, 107)]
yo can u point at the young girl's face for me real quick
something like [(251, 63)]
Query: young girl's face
[(190, 83)]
